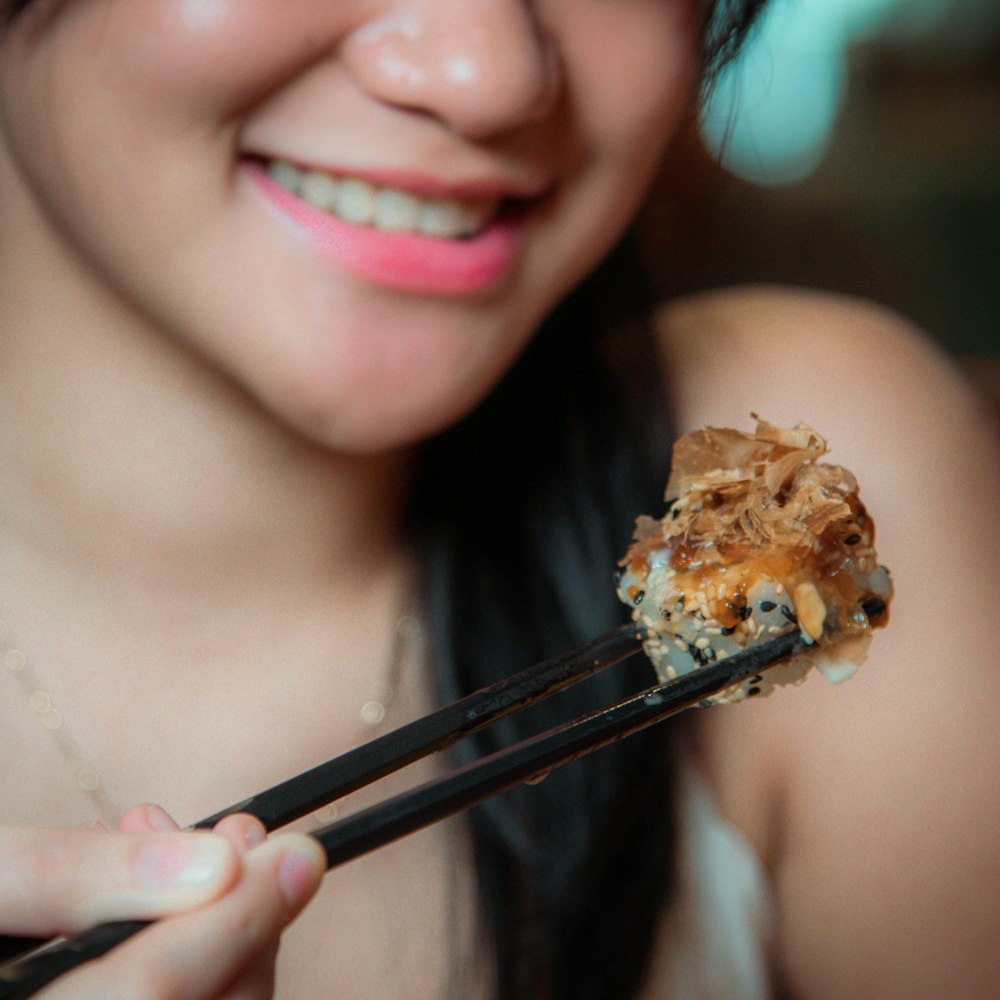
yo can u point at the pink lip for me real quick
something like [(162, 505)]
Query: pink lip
[(402, 261)]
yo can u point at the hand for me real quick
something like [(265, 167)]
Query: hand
[(225, 897)]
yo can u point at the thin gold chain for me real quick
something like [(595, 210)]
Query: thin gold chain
[(406, 638), (406, 645), (49, 717)]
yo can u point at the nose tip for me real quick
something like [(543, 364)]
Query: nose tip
[(481, 66)]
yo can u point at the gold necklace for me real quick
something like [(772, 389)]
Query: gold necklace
[(48, 715), (407, 634), (407, 646)]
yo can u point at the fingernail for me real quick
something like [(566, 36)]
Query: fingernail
[(254, 835), (242, 831), (192, 861), (297, 872), (159, 820)]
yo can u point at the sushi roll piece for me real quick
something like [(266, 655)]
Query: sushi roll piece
[(759, 539)]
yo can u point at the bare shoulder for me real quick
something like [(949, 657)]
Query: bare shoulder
[(874, 804), (790, 348)]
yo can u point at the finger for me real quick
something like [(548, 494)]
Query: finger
[(242, 831), (147, 818), (61, 881), (220, 950)]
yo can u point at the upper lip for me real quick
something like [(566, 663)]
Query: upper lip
[(471, 184)]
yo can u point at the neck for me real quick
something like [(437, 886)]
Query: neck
[(127, 462)]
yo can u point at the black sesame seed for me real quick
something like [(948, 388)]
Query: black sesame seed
[(756, 680), (852, 539), (638, 599), (698, 655), (789, 614), (767, 606), (753, 691), (875, 608), (729, 631), (745, 613)]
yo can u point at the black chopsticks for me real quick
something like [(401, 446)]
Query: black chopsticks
[(332, 780), (380, 824), (321, 785)]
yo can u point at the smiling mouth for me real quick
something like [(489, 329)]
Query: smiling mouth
[(361, 203)]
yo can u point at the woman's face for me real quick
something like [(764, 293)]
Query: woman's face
[(359, 210)]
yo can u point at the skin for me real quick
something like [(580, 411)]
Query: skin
[(205, 453)]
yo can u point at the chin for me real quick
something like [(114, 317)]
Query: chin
[(377, 423), (364, 402)]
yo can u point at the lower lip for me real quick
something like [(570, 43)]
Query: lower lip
[(402, 261)]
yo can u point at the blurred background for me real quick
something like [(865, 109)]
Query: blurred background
[(854, 147)]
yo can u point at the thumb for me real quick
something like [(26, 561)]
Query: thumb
[(61, 881)]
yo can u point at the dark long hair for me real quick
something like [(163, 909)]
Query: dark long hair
[(520, 513), (727, 25)]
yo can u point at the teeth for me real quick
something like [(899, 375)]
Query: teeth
[(361, 203), (287, 175), (397, 211), (446, 218), (355, 202), (318, 189)]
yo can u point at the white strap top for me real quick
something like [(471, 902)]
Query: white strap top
[(719, 931)]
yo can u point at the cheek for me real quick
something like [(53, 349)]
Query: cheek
[(224, 54), (173, 76), (635, 70), (631, 71), (217, 54)]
